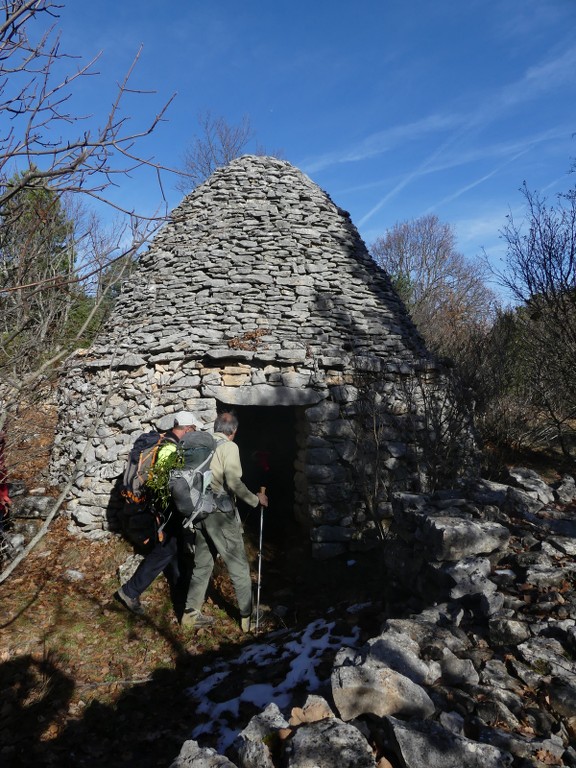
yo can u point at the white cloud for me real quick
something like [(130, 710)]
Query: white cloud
[(445, 157), (463, 128), (383, 141)]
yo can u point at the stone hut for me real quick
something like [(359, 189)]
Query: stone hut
[(259, 294)]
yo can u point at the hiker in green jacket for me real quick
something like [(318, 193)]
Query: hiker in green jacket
[(221, 532), (163, 555)]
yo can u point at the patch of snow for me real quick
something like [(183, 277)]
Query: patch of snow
[(301, 651)]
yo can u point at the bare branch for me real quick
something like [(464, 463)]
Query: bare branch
[(34, 107), (217, 143)]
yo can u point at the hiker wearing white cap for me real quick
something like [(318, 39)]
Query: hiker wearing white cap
[(187, 419), (164, 553)]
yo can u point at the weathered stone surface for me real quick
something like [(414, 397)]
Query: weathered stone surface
[(546, 656), (329, 743), (532, 483), (495, 675), (565, 492), (430, 635), (430, 745), (315, 708), (399, 652), (470, 577), (507, 631), (362, 690), (453, 539), (263, 394), (85, 517), (32, 507), (193, 756), (521, 503), (562, 695), (564, 544), (456, 671), (520, 746), (544, 575), (251, 744)]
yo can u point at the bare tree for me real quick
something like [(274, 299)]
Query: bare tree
[(37, 128), (540, 273), (49, 157), (540, 270), (445, 293), (217, 143), (58, 267)]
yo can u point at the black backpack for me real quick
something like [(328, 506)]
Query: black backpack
[(141, 522), (190, 486)]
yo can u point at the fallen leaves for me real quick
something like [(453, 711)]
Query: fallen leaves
[(548, 758)]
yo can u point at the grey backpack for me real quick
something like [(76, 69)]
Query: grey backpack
[(190, 486)]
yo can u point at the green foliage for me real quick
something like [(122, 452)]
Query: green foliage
[(44, 310), (35, 232), (403, 287), (158, 478), (37, 257), (81, 308)]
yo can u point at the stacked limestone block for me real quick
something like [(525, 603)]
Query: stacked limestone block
[(257, 291)]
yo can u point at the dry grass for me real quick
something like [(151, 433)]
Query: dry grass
[(85, 683), (79, 673)]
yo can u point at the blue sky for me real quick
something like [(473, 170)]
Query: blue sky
[(396, 109)]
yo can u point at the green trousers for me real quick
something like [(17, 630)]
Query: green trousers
[(220, 534)]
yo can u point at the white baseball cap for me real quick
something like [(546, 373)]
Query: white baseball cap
[(187, 419)]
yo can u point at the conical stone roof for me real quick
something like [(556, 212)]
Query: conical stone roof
[(259, 256)]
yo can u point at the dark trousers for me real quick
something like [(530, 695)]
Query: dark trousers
[(162, 557)]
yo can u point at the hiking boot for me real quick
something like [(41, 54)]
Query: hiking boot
[(132, 603), (196, 620), (248, 623)]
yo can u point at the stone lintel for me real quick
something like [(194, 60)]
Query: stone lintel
[(263, 394)]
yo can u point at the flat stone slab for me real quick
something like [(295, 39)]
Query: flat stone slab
[(450, 538), (426, 744), (263, 394), (364, 690)]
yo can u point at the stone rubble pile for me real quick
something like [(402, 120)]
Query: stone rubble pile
[(481, 673)]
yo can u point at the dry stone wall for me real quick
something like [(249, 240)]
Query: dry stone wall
[(258, 291)]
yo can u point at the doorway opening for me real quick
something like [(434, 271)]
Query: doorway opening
[(267, 440)]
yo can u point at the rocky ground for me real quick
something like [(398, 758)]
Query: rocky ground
[(454, 647), (476, 669)]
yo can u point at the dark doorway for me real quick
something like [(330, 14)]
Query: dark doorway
[(266, 438)]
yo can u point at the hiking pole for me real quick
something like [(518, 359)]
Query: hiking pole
[(262, 490)]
